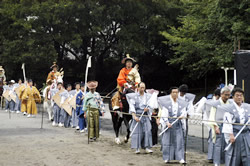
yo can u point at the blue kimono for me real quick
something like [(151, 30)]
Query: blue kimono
[(79, 103), (79, 110), (75, 118), (142, 136), (173, 138), (239, 153)]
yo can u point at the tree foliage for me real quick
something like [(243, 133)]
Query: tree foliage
[(38, 32), (196, 36), (208, 34)]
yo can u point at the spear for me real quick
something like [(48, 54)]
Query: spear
[(151, 102), (237, 135), (168, 127)]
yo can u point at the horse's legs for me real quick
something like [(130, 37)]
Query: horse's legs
[(119, 124), (50, 110), (127, 118), (46, 108), (115, 123)]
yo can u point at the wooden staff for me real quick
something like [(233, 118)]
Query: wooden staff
[(185, 146), (168, 127), (23, 68), (42, 119), (237, 135), (88, 122)]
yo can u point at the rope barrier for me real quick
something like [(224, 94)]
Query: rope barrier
[(201, 120), (26, 99), (188, 118)]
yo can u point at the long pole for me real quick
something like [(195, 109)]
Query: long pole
[(88, 120), (168, 127), (237, 135), (1, 102), (85, 91), (24, 75), (185, 154), (137, 124), (148, 103), (42, 120), (202, 126), (9, 114), (110, 93), (225, 69), (86, 73), (202, 133)]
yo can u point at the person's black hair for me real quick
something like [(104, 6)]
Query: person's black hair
[(68, 85), (59, 83), (125, 62), (217, 92), (237, 89), (172, 88), (183, 88), (129, 60), (30, 80), (77, 83), (20, 79), (140, 84), (82, 84)]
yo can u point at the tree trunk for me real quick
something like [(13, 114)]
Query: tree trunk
[(59, 53)]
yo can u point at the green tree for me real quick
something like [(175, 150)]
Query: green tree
[(206, 39), (39, 32)]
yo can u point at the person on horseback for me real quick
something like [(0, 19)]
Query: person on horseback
[(127, 81), (52, 75), (128, 75)]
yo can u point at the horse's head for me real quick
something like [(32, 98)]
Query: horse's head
[(58, 78), (53, 85)]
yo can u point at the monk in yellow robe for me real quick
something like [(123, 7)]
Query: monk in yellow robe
[(30, 96), (23, 102)]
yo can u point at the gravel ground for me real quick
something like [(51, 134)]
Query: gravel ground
[(24, 143)]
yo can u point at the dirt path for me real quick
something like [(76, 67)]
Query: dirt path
[(23, 143)]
